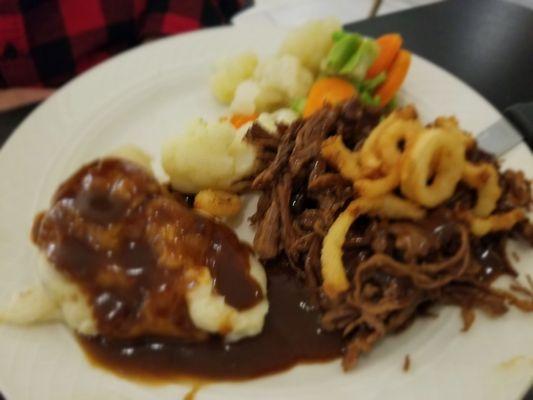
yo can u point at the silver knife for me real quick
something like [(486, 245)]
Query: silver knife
[(506, 134)]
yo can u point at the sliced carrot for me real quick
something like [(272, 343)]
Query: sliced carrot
[(329, 90), (389, 46), (395, 78), (239, 120)]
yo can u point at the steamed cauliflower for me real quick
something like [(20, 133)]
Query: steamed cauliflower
[(270, 121), (230, 73), (311, 42), (276, 82), (254, 87), (207, 156)]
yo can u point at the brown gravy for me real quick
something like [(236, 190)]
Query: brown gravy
[(291, 335), (107, 230), (133, 250)]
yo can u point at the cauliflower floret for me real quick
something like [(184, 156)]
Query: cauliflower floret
[(311, 42), (207, 156), (230, 73), (269, 121), (244, 101), (276, 82), (285, 73)]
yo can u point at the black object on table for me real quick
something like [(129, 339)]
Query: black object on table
[(486, 43)]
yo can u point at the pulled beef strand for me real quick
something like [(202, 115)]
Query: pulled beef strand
[(397, 269)]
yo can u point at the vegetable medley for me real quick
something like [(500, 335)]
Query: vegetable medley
[(318, 63)]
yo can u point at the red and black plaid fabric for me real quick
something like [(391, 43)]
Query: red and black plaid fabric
[(46, 42)]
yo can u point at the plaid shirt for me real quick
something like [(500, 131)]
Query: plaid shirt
[(47, 42)]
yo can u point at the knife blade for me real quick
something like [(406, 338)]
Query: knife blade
[(505, 134)]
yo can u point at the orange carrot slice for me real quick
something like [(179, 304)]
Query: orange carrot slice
[(395, 78), (389, 46), (239, 120), (329, 90)]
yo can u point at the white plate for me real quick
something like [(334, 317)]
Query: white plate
[(148, 94)]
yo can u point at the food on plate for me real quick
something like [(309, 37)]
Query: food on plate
[(377, 68), (317, 63), (394, 78), (388, 47), (217, 203), (276, 82), (270, 121), (311, 42), (207, 156), (124, 258), (230, 73), (327, 90), (366, 219), (383, 217), (386, 206)]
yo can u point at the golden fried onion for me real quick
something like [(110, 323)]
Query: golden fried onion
[(426, 164), (375, 169), (432, 168), (218, 203), (481, 226), (343, 159), (484, 178), (389, 206)]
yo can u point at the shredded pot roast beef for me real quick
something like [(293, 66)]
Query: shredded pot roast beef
[(397, 269)]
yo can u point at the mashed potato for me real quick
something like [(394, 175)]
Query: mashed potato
[(209, 312), (207, 156), (54, 299), (58, 299)]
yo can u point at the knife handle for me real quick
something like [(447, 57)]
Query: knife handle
[(521, 116)]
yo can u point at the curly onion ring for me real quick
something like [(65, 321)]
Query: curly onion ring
[(452, 125), (484, 178), (393, 141), (498, 222), (435, 155), (378, 187), (383, 144), (389, 206), (335, 153)]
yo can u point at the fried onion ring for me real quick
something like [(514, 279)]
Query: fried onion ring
[(393, 141), (452, 125), (378, 187), (432, 168), (484, 178), (335, 153), (498, 222), (389, 206), (383, 145)]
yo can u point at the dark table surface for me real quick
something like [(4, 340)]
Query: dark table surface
[(486, 43)]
